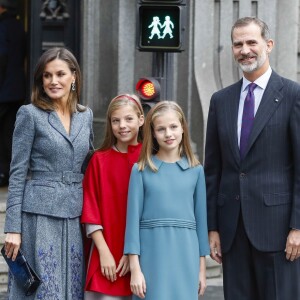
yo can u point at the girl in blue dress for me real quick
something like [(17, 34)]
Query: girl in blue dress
[(166, 231)]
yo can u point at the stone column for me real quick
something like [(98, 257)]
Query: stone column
[(90, 49), (286, 38)]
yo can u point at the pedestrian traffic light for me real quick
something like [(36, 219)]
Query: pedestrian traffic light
[(160, 25), (148, 89)]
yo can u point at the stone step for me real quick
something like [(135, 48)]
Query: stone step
[(213, 269), (3, 194), (3, 275), (2, 237), (2, 207), (3, 265)]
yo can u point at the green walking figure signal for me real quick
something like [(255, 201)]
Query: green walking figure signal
[(168, 24), (155, 29), (161, 25)]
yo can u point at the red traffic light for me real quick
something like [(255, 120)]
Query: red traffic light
[(148, 88)]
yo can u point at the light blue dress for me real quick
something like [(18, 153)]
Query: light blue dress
[(167, 227)]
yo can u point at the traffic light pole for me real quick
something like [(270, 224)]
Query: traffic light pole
[(160, 29), (162, 68)]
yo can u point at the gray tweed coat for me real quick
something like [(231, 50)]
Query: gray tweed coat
[(45, 198)]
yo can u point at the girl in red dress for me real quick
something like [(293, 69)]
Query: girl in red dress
[(105, 189)]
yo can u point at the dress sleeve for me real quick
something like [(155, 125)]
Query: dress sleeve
[(201, 214), (91, 141), (91, 210), (91, 144), (23, 138), (134, 212), (90, 228)]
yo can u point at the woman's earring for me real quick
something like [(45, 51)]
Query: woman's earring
[(73, 87)]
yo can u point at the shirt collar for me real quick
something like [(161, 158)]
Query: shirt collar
[(182, 163), (261, 81)]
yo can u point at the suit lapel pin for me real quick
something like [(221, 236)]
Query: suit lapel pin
[(276, 100)]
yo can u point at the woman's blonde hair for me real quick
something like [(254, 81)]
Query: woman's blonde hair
[(150, 145), (115, 104), (38, 96)]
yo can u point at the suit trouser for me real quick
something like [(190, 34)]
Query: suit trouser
[(250, 274), (8, 113)]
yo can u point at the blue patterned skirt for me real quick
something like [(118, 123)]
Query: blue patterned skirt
[(53, 246)]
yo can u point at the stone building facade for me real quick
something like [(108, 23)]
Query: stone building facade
[(111, 63)]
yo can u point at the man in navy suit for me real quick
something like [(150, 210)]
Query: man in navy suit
[(12, 79), (252, 168)]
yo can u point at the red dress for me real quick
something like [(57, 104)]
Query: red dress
[(105, 188)]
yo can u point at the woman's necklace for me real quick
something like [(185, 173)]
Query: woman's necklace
[(127, 158), (115, 146)]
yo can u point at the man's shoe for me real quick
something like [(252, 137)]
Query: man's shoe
[(3, 180)]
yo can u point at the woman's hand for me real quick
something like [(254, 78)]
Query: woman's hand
[(202, 285), (138, 283), (107, 261), (123, 266), (12, 244), (202, 276), (108, 265)]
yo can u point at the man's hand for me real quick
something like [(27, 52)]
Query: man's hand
[(292, 247), (215, 246)]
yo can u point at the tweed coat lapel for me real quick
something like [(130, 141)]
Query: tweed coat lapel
[(57, 124), (270, 101), (76, 125), (232, 108)]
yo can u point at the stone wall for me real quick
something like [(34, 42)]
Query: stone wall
[(111, 63)]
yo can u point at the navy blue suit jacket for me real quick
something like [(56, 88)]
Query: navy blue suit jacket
[(265, 185)]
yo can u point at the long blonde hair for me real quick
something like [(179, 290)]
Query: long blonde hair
[(115, 104), (150, 145)]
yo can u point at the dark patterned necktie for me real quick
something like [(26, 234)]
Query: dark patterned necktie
[(248, 119)]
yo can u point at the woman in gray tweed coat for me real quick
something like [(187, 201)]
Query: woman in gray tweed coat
[(51, 139)]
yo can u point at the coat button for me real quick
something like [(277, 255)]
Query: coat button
[(242, 175), (237, 197)]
